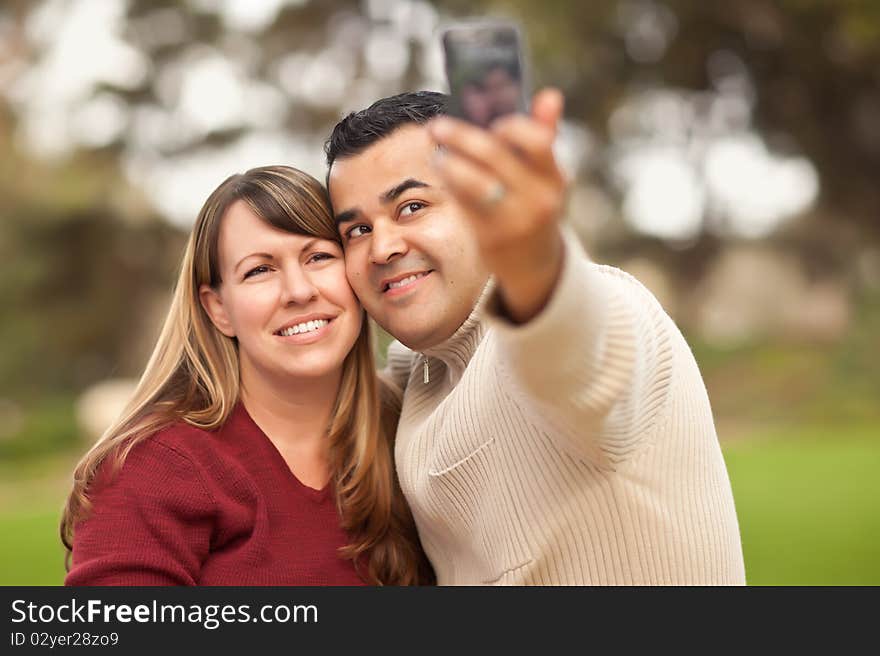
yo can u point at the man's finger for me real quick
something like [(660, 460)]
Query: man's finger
[(472, 185), (532, 139), (547, 107), (483, 148)]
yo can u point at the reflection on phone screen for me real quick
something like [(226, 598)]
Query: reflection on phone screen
[(483, 65)]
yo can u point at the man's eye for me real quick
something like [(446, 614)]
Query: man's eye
[(357, 231), (411, 208), (256, 271)]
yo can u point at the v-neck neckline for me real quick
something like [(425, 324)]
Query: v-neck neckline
[(316, 495)]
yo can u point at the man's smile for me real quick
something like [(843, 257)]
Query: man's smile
[(402, 283)]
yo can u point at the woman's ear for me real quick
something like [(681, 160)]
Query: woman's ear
[(213, 305)]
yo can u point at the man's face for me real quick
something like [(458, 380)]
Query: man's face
[(410, 255)]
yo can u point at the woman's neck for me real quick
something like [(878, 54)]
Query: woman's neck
[(294, 415)]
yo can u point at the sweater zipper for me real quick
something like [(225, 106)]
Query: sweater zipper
[(426, 371)]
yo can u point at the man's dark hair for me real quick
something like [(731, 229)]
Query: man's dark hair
[(360, 130)]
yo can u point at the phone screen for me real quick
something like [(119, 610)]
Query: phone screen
[(485, 72)]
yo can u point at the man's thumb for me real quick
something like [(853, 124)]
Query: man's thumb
[(547, 106)]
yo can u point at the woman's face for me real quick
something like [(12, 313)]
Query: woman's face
[(284, 297)]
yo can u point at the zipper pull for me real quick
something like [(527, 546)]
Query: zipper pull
[(426, 371)]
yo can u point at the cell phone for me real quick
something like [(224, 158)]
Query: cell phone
[(484, 67)]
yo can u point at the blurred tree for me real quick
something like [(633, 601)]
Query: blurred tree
[(814, 66), (79, 285), (810, 68), (811, 80)]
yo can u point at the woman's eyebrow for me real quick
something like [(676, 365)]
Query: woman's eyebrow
[(267, 256)]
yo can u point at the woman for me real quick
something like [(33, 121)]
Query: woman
[(256, 450)]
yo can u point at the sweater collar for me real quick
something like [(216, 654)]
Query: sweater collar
[(457, 350), (242, 424)]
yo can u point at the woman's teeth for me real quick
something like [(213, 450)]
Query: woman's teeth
[(405, 281), (306, 327)]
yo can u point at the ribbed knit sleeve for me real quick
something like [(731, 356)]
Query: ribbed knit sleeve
[(594, 367), (150, 522)]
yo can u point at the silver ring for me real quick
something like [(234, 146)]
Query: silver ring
[(495, 194)]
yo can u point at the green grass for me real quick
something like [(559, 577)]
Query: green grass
[(808, 502), (809, 507), (31, 552), (32, 492)]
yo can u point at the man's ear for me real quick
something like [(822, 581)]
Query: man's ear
[(213, 305)]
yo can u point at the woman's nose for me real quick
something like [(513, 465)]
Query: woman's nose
[(298, 287)]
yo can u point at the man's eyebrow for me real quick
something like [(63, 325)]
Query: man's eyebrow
[(386, 197), (347, 215), (394, 192)]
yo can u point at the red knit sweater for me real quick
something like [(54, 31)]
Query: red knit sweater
[(192, 507)]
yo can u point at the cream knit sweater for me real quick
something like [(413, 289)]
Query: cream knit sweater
[(578, 448)]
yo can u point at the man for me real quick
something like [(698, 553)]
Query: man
[(555, 427)]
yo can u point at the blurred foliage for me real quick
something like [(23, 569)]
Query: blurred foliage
[(88, 264), (78, 282), (49, 427), (796, 384), (813, 63)]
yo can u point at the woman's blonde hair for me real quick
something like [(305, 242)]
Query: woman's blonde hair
[(193, 376)]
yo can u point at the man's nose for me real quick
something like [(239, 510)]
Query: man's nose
[(298, 287), (387, 242)]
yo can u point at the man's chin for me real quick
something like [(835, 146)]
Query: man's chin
[(415, 338), (421, 326)]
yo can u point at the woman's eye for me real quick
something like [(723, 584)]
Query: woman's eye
[(256, 271), (411, 208), (357, 231), (318, 257)]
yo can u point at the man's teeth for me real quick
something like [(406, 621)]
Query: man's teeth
[(306, 327), (405, 281)]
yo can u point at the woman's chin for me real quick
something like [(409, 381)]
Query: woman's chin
[(313, 370)]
